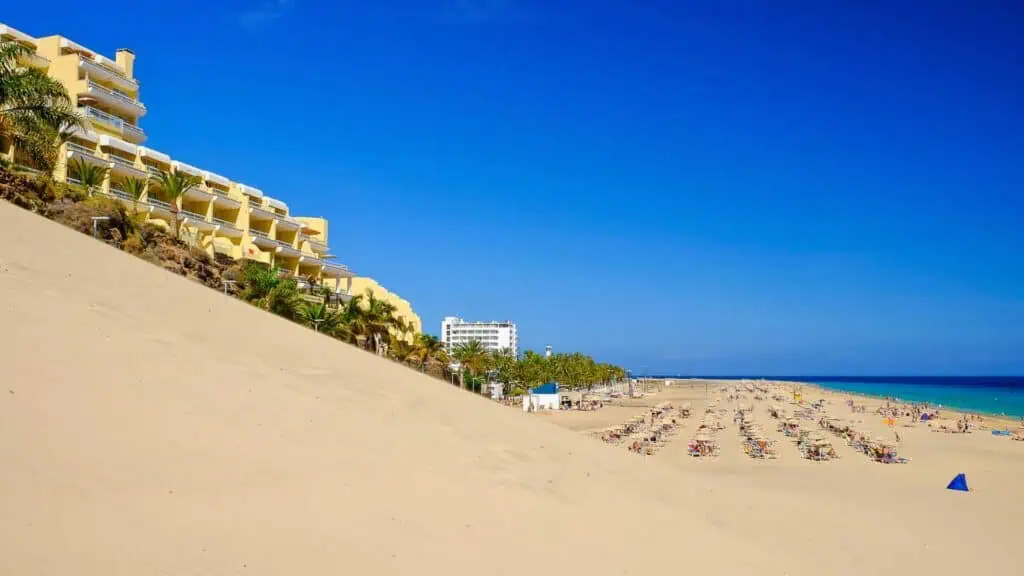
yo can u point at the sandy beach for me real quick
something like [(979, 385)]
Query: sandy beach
[(992, 464), (149, 425)]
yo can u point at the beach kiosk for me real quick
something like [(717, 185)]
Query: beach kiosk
[(544, 397)]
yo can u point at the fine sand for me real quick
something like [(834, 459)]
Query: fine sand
[(149, 425)]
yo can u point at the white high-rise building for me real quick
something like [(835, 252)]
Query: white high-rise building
[(493, 335)]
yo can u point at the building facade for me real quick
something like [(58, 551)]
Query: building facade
[(403, 309), (217, 215), (493, 335)]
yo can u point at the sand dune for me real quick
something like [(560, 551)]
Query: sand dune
[(149, 425)]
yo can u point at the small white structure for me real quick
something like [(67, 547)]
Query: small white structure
[(543, 397)]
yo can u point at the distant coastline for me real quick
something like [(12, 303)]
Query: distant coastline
[(991, 395)]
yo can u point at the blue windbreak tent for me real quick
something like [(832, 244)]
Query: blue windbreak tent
[(959, 483), (549, 388)]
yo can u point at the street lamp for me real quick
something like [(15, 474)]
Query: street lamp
[(316, 324), (226, 282), (95, 221)]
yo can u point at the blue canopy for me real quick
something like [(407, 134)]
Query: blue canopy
[(549, 388)]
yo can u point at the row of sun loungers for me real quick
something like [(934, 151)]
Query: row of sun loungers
[(877, 449), (703, 444), (643, 437), (755, 443)]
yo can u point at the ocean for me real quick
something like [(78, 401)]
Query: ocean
[(1002, 395)]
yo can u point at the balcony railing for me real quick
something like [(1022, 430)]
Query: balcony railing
[(105, 117), (225, 223), (75, 181), (191, 214), (133, 131), (288, 219), (154, 171), (117, 94), (161, 204), (218, 192), (312, 240), (283, 244), (100, 68), (259, 234), (117, 122), (198, 189), (253, 203), (124, 163), (72, 147), (121, 194)]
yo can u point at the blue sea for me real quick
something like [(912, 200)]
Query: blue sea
[(985, 394)]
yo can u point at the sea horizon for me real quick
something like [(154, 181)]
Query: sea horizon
[(992, 395)]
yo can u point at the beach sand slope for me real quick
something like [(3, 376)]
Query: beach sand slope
[(149, 425)]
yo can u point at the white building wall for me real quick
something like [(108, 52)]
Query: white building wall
[(493, 335)]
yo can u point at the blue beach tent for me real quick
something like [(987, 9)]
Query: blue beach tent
[(959, 483), (549, 388)]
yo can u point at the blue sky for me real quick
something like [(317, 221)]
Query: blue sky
[(685, 187)]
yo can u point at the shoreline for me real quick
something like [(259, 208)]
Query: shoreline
[(1005, 421), (1001, 416)]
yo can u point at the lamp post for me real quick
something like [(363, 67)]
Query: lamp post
[(316, 324), (96, 220), (226, 282)]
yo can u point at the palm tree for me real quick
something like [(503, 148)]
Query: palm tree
[(265, 288), (36, 112), (90, 176), (134, 187), (320, 318), (429, 347), (380, 320), (403, 351), (284, 299), (472, 357), (174, 185), (352, 323)]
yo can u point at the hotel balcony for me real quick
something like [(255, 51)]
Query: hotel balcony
[(257, 212), (34, 60), (221, 199), (262, 239), (161, 206), (317, 246), (131, 133), (118, 100), (84, 153), (187, 169), (197, 193), (225, 228), (287, 222), (107, 74), (287, 249), (210, 177), (122, 195), (122, 167), (195, 220), (158, 161), (336, 271)]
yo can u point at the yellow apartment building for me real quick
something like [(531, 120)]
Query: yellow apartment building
[(219, 215)]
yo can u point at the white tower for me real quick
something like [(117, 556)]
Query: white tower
[(547, 351)]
